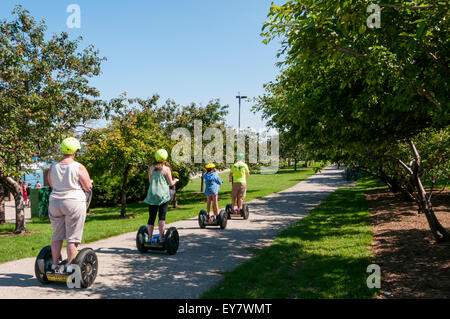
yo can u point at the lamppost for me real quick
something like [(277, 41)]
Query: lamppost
[(240, 97)]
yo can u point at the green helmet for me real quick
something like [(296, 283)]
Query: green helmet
[(70, 146), (161, 155), (240, 156)]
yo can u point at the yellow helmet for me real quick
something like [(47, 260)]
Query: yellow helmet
[(70, 146), (210, 165)]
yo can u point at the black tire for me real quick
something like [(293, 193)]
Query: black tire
[(201, 218), (229, 210), (223, 219), (140, 239), (88, 262), (245, 212), (171, 240), (42, 264)]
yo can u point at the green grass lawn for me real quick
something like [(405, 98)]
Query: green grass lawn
[(104, 222), (324, 255)]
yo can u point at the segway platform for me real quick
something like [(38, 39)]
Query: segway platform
[(220, 220), (170, 244), (244, 212), (86, 259)]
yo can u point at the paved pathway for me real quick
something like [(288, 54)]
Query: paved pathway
[(203, 255)]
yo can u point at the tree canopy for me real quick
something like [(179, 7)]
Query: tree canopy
[(44, 95), (352, 94)]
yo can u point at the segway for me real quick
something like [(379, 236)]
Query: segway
[(170, 244), (220, 220), (244, 212), (86, 260)]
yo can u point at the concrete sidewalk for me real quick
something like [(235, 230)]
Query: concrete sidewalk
[(203, 255), (10, 212)]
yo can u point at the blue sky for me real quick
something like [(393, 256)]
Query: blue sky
[(186, 50)]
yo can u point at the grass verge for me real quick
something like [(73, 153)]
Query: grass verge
[(324, 255), (104, 223)]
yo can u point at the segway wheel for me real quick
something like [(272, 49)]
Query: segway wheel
[(140, 239), (88, 263), (202, 218), (245, 211), (223, 219), (172, 240), (42, 264), (229, 210)]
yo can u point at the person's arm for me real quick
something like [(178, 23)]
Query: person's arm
[(169, 178), (48, 177), (230, 177), (218, 180), (85, 179), (150, 170), (247, 172)]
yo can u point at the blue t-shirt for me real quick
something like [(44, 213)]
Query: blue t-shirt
[(212, 182)]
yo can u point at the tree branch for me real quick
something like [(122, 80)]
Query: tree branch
[(405, 7), (342, 49)]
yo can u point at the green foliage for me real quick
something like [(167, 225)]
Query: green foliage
[(44, 90), (342, 90), (127, 145), (373, 98)]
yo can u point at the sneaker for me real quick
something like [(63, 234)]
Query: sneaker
[(69, 269)]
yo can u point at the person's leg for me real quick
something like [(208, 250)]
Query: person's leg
[(57, 220), (241, 194), (152, 211), (208, 204), (75, 218), (162, 220), (216, 204), (233, 195), (56, 251), (71, 252)]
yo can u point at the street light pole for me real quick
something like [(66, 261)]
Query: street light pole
[(240, 97)]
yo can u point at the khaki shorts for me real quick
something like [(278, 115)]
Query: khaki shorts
[(239, 189), (67, 218)]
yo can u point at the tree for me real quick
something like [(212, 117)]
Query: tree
[(354, 95), (44, 96), (126, 145)]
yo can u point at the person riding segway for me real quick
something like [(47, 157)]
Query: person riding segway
[(158, 199), (239, 173), (68, 201), (212, 187)]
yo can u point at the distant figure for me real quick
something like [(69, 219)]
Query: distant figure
[(24, 193), (28, 195), (38, 185)]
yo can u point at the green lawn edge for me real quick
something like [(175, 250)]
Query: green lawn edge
[(324, 255)]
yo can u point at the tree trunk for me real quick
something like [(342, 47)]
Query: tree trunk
[(175, 201), (439, 232), (2, 211), (123, 193), (295, 164), (14, 187), (3, 194)]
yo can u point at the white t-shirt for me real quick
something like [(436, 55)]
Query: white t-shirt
[(65, 182)]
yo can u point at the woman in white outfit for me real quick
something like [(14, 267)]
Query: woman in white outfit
[(67, 204)]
